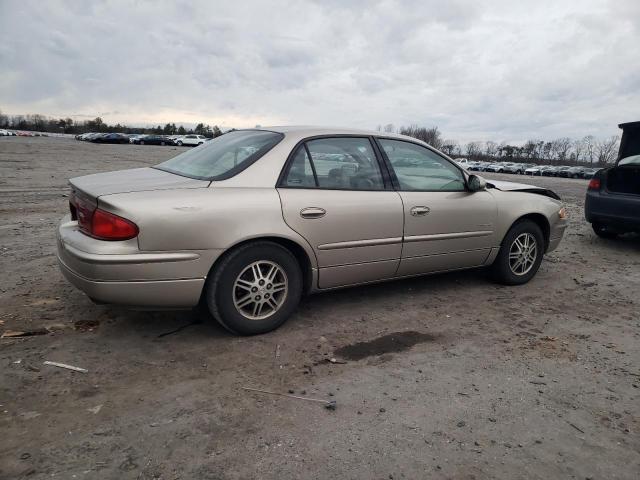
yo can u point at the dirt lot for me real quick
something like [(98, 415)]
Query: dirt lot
[(460, 378)]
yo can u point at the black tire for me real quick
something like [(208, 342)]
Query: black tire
[(179, 143), (501, 270), (603, 231), (220, 287), (141, 142)]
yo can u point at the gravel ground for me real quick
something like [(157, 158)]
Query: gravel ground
[(447, 376)]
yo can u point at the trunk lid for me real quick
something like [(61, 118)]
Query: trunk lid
[(625, 177), (134, 180)]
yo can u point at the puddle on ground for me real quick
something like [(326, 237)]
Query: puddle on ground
[(390, 343)]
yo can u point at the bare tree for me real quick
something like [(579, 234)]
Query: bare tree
[(607, 150), (579, 150), (474, 150), (389, 128), (450, 147), (560, 148), (490, 149), (431, 135), (589, 148)]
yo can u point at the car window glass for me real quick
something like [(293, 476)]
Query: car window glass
[(223, 156), (418, 168), (345, 163), (300, 173)]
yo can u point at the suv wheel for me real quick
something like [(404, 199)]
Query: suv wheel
[(180, 143), (603, 231), (520, 254), (255, 288)]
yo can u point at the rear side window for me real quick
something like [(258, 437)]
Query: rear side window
[(300, 172), (224, 156), (343, 163)]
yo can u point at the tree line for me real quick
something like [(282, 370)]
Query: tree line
[(561, 151), (41, 123)]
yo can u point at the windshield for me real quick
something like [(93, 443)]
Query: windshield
[(632, 160), (224, 156)]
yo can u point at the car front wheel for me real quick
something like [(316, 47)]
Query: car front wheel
[(255, 288), (520, 254)]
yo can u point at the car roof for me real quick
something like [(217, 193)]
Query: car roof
[(311, 131)]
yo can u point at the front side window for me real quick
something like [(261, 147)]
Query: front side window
[(224, 156), (420, 169)]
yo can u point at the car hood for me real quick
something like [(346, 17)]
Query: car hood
[(521, 187), (133, 180)]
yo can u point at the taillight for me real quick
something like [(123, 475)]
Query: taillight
[(107, 226), (82, 211), (594, 184)]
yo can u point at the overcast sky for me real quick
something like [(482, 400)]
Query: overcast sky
[(505, 70)]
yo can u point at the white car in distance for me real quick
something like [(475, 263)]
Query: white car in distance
[(191, 140)]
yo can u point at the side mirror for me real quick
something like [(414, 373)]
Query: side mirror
[(475, 183)]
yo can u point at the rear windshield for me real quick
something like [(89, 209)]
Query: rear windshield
[(224, 156)]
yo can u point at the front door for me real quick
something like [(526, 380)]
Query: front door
[(334, 195), (446, 226)]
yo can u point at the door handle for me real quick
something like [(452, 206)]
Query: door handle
[(313, 212), (419, 211)]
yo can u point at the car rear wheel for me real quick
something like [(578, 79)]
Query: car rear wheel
[(603, 231), (520, 254), (141, 142), (255, 288), (179, 143)]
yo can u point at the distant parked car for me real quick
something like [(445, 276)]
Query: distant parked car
[(494, 167), (475, 166), (111, 138), (558, 171), (4, 133), (589, 172), (191, 140), (517, 168), (612, 205), (571, 172), (153, 140)]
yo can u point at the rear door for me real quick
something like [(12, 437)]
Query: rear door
[(334, 193), (446, 226)]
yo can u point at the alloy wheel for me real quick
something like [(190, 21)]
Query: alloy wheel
[(523, 254), (260, 290)]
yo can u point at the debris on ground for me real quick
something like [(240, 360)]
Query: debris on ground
[(334, 360), (68, 367), (27, 333), (95, 409), (86, 325), (171, 332), (328, 404)]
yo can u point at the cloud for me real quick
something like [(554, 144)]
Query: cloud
[(501, 70)]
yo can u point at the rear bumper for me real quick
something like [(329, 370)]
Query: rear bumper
[(118, 273), (146, 294), (621, 211)]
